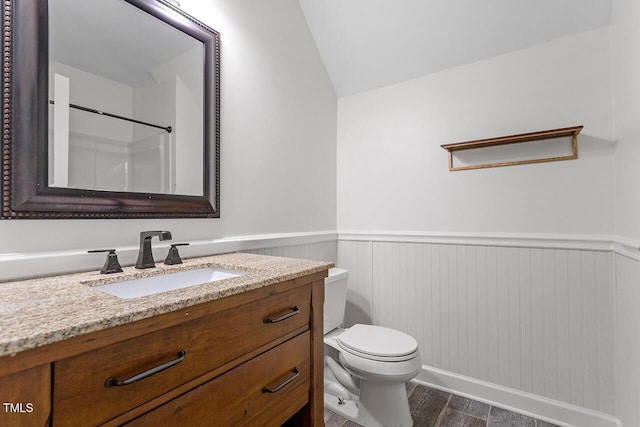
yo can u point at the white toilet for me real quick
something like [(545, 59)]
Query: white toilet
[(366, 367)]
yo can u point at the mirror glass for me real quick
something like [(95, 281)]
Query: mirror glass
[(126, 105)]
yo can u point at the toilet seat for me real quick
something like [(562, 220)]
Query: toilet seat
[(378, 343)]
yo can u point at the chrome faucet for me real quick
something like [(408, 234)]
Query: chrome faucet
[(145, 254)]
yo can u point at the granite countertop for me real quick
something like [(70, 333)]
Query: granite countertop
[(45, 310)]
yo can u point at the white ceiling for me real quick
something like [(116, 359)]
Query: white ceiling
[(366, 44)]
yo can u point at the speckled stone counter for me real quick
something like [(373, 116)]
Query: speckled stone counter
[(45, 310)]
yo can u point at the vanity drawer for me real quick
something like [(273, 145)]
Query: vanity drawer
[(81, 396), (238, 397)]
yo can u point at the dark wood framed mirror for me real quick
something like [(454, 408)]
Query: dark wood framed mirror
[(40, 109)]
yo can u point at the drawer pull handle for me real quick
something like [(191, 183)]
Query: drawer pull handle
[(110, 382), (283, 383), (285, 316)]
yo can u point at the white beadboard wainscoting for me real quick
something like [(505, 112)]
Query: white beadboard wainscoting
[(536, 318), (319, 251), (627, 354)]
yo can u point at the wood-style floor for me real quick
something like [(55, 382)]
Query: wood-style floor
[(431, 407)]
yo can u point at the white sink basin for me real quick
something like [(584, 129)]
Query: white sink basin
[(167, 282)]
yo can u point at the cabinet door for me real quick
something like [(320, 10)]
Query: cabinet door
[(266, 391), (26, 397)]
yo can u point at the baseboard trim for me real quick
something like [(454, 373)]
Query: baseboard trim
[(542, 408)]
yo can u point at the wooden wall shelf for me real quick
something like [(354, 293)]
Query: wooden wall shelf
[(515, 139)]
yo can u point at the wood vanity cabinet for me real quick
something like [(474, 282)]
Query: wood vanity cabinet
[(250, 359)]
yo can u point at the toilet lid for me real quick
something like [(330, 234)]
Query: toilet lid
[(378, 343)]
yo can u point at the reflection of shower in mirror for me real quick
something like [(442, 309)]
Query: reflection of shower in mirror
[(100, 146), (98, 163)]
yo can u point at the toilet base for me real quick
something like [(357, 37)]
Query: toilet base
[(379, 405), (384, 404)]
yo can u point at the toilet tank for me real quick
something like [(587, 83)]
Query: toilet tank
[(335, 298)]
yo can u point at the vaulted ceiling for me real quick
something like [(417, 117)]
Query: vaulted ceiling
[(366, 44)]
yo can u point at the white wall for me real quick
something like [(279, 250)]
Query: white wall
[(626, 65), (392, 172), (392, 176), (625, 24), (278, 147), (532, 317)]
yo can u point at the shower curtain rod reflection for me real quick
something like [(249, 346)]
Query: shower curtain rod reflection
[(168, 129)]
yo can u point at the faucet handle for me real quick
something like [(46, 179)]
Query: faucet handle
[(111, 265), (173, 257)]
